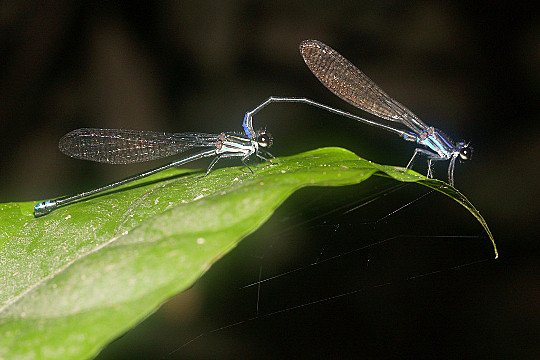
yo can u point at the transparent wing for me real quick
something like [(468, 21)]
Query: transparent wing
[(116, 146), (352, 85)]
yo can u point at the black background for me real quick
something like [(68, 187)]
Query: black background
[(469, 68)]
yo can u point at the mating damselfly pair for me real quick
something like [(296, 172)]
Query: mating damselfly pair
[(115, 146)]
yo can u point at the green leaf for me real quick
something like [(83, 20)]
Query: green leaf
[(75, 279)]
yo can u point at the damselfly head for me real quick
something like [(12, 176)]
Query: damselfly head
[(264, 139), (465, 151)]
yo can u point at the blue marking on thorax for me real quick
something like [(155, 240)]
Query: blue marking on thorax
[(437, 143), (448, 145), (236, 144)]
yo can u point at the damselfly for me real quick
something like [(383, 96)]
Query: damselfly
[(352, 85), (115, 146)]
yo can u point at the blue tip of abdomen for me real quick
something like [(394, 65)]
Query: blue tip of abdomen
[(246, 128), (42, 205)]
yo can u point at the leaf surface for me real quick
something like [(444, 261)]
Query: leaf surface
[(77, 278)]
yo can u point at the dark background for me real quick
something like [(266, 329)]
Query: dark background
[(469, 68)]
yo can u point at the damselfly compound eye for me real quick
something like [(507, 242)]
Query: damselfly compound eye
[(465, 153), (264, 139)]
